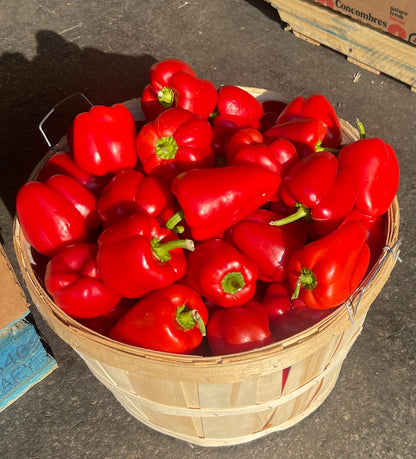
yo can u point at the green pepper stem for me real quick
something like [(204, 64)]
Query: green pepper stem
[(189, 318), (166, 97), (161, 250), (175, 219), (178, 229), (233, 282), (302, 211), (166, 148), (306, 280), (335, 151), (296, 292), (361, 129), (319, 147)]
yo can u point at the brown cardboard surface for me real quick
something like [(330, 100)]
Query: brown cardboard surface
[(396, 17), (13, 304)]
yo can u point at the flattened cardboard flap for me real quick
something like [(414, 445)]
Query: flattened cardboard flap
[(13, 304)]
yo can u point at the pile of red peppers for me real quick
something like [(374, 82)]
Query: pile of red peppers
[(217, 225)]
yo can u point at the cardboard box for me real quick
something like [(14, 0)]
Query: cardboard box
[(23, 359), (396, 17), (368, 47)]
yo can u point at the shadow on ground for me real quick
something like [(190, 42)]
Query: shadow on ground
[(59, 69)]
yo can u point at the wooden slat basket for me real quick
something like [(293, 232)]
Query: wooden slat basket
[(222, 400)]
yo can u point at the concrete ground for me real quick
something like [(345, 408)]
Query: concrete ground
[(49, 49)]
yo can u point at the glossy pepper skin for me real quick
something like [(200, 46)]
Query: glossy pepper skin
[(48, 219), (325, 272), (247, 146), (317, 107), (62, 163), (137, 255), (308, 182), (171, 319), (324, 203), (376, 170), (103, 323), (173, 83), (288, 316), (278, 299), (73, 281), (332, 210), (82, 199), (221, 273), (377, 232), (236, 109), (176, 141), (214, 199), (269, 247), (236, 103), (130, 191), (238, 329), (103, 140), (297, 229), (306, 134)]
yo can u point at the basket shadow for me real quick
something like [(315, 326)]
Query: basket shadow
[(30, 88)]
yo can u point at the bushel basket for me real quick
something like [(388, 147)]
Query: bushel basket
[(222, 400)]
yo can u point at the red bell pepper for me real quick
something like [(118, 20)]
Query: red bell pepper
[(332, 210), (270, 248), (173, 83), (278, 299), (153, 195), (288, 316), (221, 273), (171, 319), (102, 324), (307, 183), (325, 272), (62, 163), (234, 101), (243, 137), (236, 109), (73, 281), (266, 216), (48, 219), (377, 173), (137, 255), (212, 200), (305, 134), (130, 192), (317, 107), (159, 75), (82, 199), (221, 137), (377, 232), (247, 146), (238, 329), (103, 140), (117, 199), (331, 206), (177, 140), (309, 180)]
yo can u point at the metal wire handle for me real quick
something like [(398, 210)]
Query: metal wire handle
[(54, 108)]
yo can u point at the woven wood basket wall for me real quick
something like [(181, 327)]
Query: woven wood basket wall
[(225, 400)]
